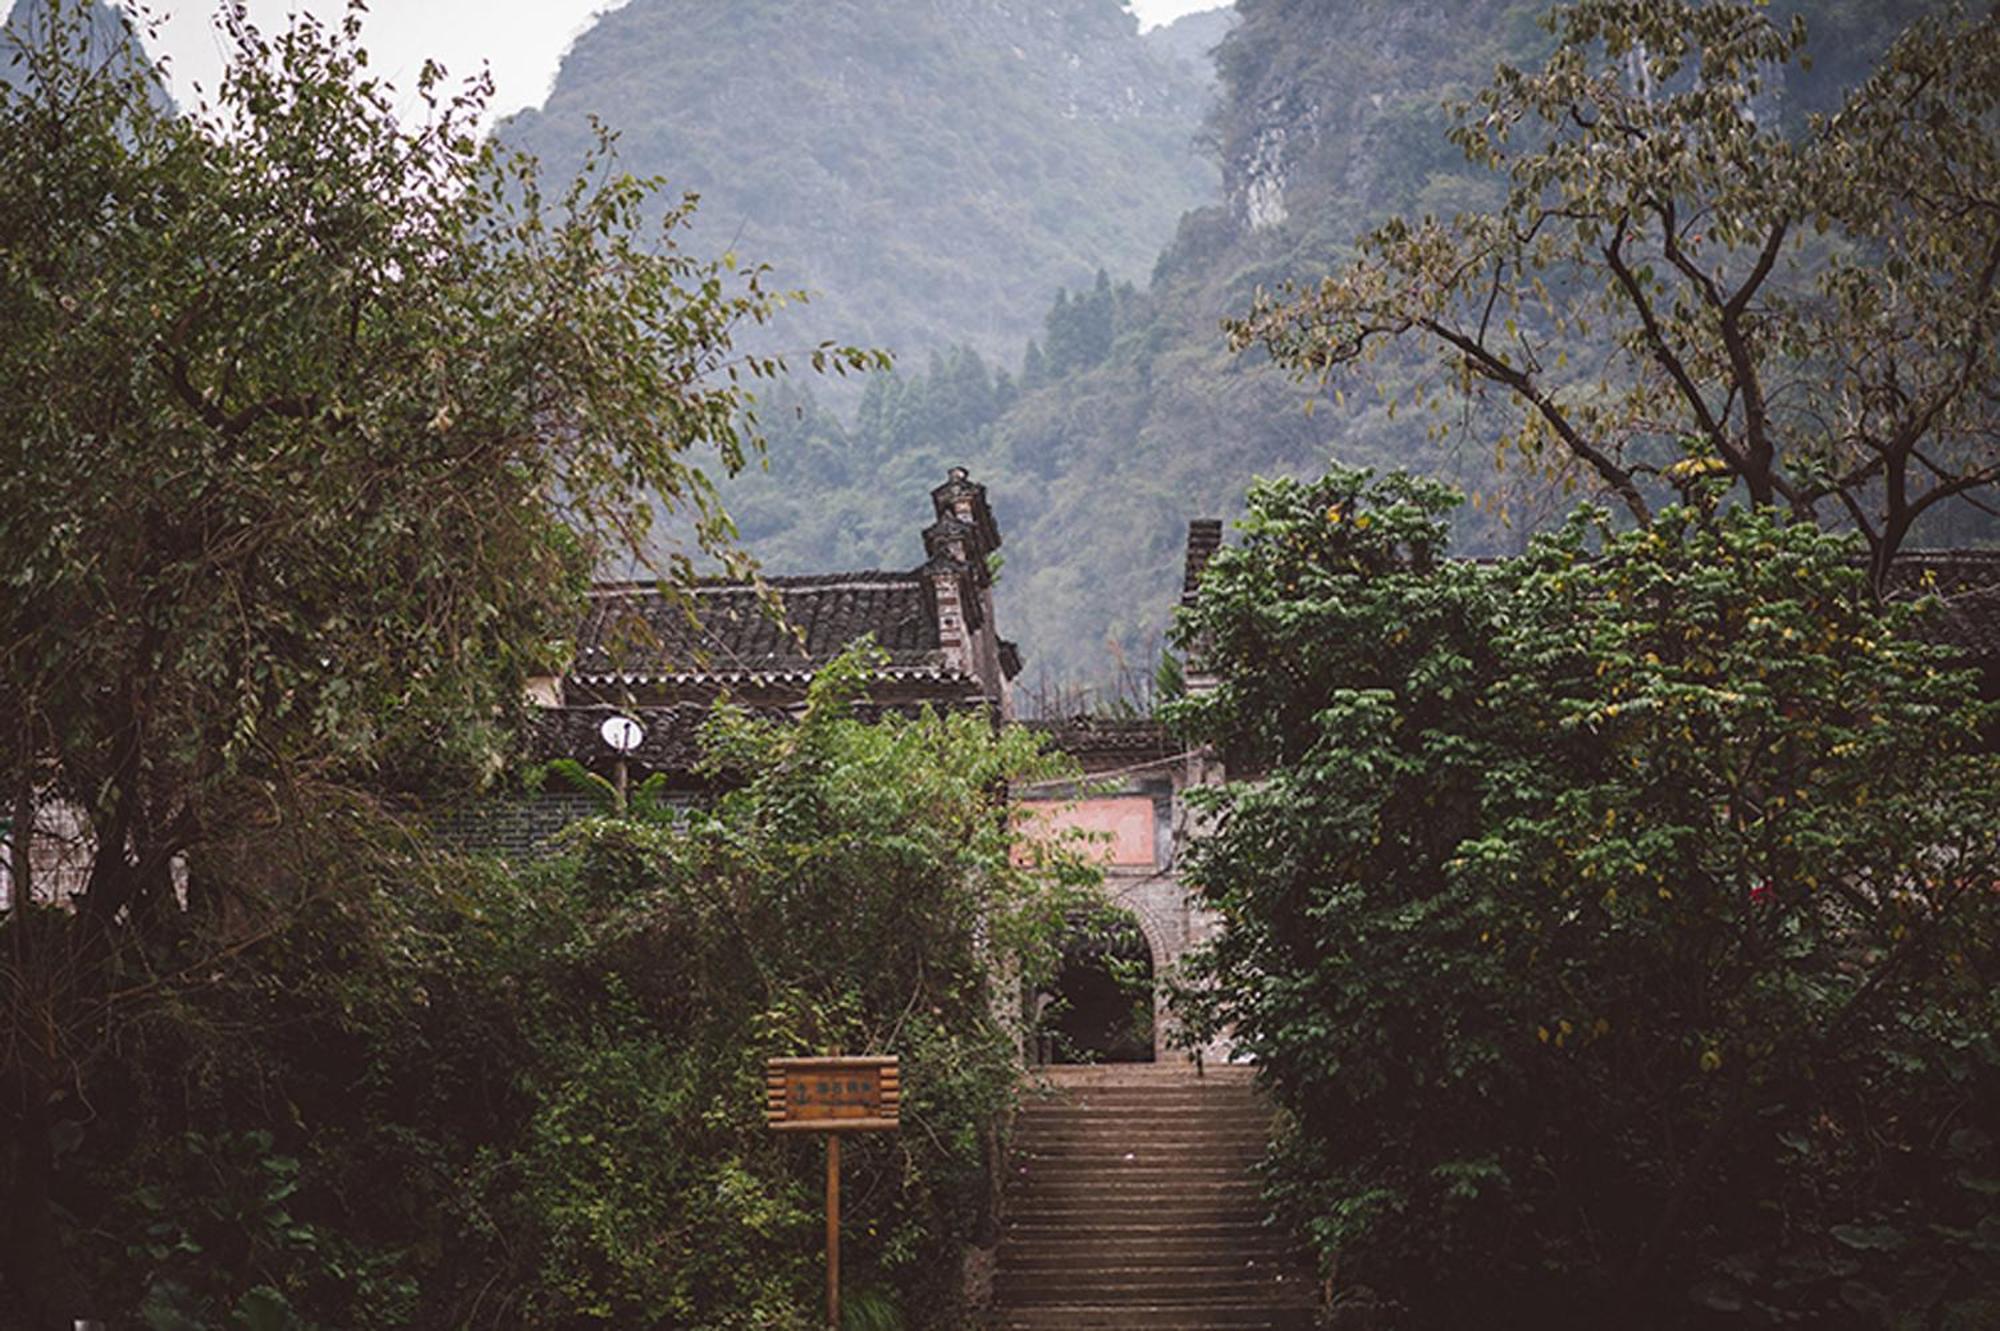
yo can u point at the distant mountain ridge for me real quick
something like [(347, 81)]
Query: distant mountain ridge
[(1329, 119), (1189, 42), (930, 169)]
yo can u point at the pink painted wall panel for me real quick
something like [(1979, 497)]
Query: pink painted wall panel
[(1123, 825)]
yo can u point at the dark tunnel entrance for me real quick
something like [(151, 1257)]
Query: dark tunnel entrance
[(1099, 1009)]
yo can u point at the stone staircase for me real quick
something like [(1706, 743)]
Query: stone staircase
[(1130, 1204)]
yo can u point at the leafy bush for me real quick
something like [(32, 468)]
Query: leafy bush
[(315, 416), (1616, 924), (496, 1098)]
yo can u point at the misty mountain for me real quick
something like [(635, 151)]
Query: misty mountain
[(932, 170), (107, 36), (1129, 414), (1189, 42)]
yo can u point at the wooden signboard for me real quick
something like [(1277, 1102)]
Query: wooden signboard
[(832, 1095)]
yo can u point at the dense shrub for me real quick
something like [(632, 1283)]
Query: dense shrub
[(496, 1096), (1617, 925), (315, 416)]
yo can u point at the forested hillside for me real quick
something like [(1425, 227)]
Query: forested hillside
[(929, 169), (109, 34), (1189, 42), (1130, 414)]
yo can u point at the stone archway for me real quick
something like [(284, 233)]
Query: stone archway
[(1099, 1007)]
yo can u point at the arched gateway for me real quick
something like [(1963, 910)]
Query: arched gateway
[(1132, 805), (1099, 1005)]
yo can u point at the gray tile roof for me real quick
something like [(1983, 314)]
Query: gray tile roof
[(671, 743), (1967, 585), (1204, 538), (633, 632), (1132, 739), (1971, 620), (671, 732)]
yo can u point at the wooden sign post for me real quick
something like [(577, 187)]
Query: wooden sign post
[(832, 1095)]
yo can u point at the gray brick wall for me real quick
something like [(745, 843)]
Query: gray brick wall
[(518, 828), (521, 827)]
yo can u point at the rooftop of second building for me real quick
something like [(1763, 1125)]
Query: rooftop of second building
[(1967, 586), (724, 630), (933, 621)]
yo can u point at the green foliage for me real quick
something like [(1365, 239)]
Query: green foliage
[(1077, 333), (581, 779), (485, 1098), (1615, 924), (837, 899), (1169, 677), (931, 169), (313, 420), (1338, 112), (224, 1202), (1804, 304), (870, 1309)]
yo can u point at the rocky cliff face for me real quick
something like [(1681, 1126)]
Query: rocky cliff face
[(930, 169), (1337, 104), (1334, 107), (1080, 59), (1330, 118)]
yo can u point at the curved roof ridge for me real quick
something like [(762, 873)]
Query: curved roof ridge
[(784, 581)]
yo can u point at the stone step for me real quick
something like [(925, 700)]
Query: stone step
[(1236, 1154), (1157, 1077), (1147, 1225), (1086, 1275), (1153, 1118), (1166, 1130), (1130, 1087), (1164, 1177), (1133, 1202), (1033, 1137), (1180, 1088), (1027, 1196), (1024, 1258), (1185, 1088), (1145, 1244), (1106, 1164), (1164, 1124), (1253, 1287), (1089, 1214), (1167, 1191), (1238, 1236), (1195, 1108), (1051, 1260), (1239, 1153), (1111, 1155), (1112, 1144), (1236, 1162), (1060, 1120), (1250, 1289), (1118, 1182), (1166, 1070), (1143, 1072), (1180, 1092), (1150, 1317)]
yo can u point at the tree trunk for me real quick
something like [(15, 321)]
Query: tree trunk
[(39, 1290)]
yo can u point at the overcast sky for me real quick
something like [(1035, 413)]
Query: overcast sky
[(523, 40)]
